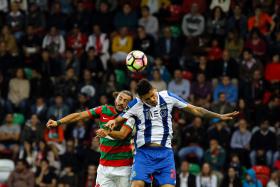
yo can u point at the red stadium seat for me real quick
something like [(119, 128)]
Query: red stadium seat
[(262, 173)]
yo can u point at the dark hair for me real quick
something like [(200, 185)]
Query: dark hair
[(126, 92), (146, 8), (143, 87)]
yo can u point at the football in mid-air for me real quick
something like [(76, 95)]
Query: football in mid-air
[(136, 61)]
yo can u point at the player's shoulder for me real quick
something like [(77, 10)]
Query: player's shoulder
[(165, 94), (134, 102)]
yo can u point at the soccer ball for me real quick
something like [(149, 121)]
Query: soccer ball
[(136, 61)]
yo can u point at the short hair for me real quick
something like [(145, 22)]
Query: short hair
[(143, 87), (126, 92)]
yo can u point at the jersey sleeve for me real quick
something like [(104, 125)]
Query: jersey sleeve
[(131, 109), (177, 101), (95, 112), (130, 123)]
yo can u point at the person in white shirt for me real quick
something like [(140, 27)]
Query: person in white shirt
[(206, 178), (185, 179), (149, 22), (180, 86)]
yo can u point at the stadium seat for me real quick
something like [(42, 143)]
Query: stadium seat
[(6, 167), (194, 168), (262, 173)]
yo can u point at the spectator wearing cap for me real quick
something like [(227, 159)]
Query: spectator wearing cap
[(21, 176), (100, 42), (263, 144), (149, 22), (76, 40), (126, 18), (180, 86), (226, 87)]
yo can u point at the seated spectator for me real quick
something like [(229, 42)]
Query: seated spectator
[(216, 25), (240, 141), (126, 18), (262, 21), (36, 18), (184, 178), (54, 42), (274, 46), (215, 156), (156, 6), (149, 22), (16, 19), (79, 132), (165, 74), (274, 180), (70, 157), (19, 90), (76, 40), (220, 132), (179, 86), (144, 42), (223, 5), (231, 179), (251, 179), (234, 44), (57, 18), (58, 109), (21, 176), (272, 70), (193, 23), (4, 6), (187, 4), (9, 135), (263, 145), (206, 177), (121, 45), (100, 42), (193, 140), (234, 162), (201, 91), (91, 154), (45, 176), (237, 21), (227, 66), (90, 177), (31, 44), (256, 44), (9, 40), (88, 83), (215, 52), (70, 61), (157, 82), (68, 177), (40, 109), (222, 105), (228, 89), (33, 130), (82, 16), (93, 63), (55, 139)]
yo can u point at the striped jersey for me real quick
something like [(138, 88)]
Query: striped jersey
[(113, 152), (154, 124)]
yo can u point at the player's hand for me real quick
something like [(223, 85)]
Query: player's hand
[(110, 124), (52, 123), (229, 116), (102, 133)]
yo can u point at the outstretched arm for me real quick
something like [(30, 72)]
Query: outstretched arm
[(202, 112), (121, 134), (71, 118), (115, 122)]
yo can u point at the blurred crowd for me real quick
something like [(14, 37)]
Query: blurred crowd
[(62, 56)]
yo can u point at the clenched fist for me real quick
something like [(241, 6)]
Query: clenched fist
[(52, 123)]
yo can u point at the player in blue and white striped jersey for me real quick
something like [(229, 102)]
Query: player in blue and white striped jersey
[(153, 120)]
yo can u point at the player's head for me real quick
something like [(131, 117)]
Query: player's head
[(147, 93), (122, 98)]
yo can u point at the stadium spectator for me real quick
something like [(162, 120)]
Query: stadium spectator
[(155, 6), (149, 22), (82, 16), (219, 132), (57, 18), (215, 156), (59, 108), (16, 20), (68, 178), (165, 74), (4, 6), (76, 40), (223, 5), (256, 44), (144, 42), (251, 179), (234, 44), (184, 178), (33, 130), (91, 154), (274, 46), (227, 66), (70, 61), (180, 86), (231, 179), (193, 23), (206, 177), (222, 105), (263, 145), (70, 158), (157, 82), (10, 44), (216, 25), (100, 42), (193, 140), (271, 70), (21, 176), (122, 44), (39, 109), (126, 18), (44, 175), (91, 176), (36, 18), (214, 51), (9, 136), (226, 87), (237, 21), (79, 131), (274, 180)]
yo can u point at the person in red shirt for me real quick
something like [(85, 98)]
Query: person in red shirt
[(77, 40), (272, 70), (215, 52), (256, 44), (261, 20)]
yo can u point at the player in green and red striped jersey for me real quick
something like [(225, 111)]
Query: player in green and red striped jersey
[(116, 151)]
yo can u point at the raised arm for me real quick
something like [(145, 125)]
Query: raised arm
[(202, 112), (71, 118)]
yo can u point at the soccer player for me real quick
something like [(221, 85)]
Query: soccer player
[(116, 154), (153, 121)]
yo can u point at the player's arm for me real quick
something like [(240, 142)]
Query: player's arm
[(202, 112), (121, 134), (71, 118)]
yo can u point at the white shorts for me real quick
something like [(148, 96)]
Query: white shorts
[(113, 176)]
